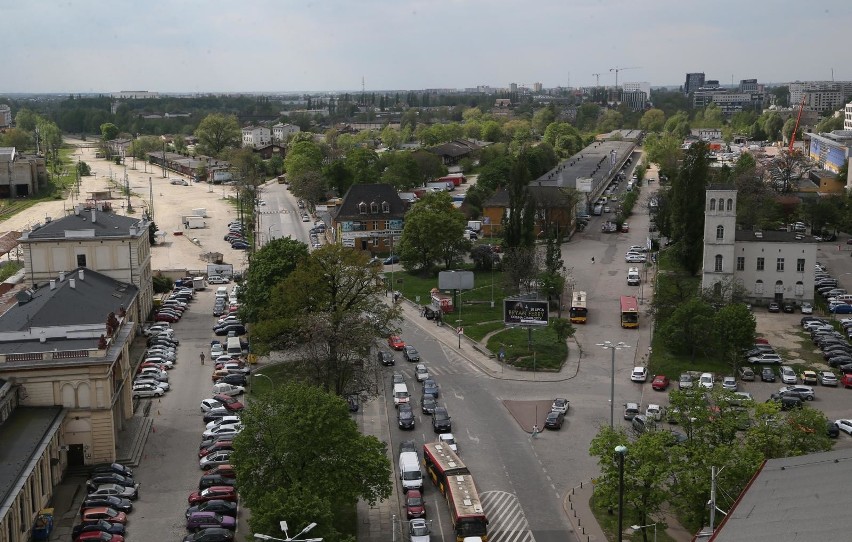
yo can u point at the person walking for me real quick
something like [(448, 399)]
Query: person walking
[(593, 259), (202, 358)]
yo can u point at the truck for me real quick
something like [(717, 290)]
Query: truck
[(456, 178), (198, 283), (633, 277), (193, 222), (475, 225), (202, 212)]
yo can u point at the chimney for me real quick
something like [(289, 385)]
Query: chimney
[(52, 284), (94, 216), (78, 208), (61, 276), (73, 283), (80, 274)]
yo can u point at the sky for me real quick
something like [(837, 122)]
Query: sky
[(82, 46)]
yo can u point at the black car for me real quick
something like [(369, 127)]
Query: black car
[(386, 359), (554, 420), (788, 402), (102, 478), (117, 503), (441, 422), (226, 508), (410, 354), (117, 468), (430, 387), (774, 307), (100, 525), (235, 378), (209, 480), (224, 329), (839, 361), (210, 534), (788, 307), (832, 430), (428, 404), (767, 375), (405, 417)]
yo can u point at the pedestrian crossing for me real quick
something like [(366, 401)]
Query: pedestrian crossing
[(506, 520)]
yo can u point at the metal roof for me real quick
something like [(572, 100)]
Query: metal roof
[(101, 223)]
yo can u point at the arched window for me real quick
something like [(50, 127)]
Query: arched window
[(717, 288), (718, 263), (713, 204), (720, 232), (800, 288), (385, 207), (374, 207), (758, 287), (779, 286), (362, 208), (730, 204)]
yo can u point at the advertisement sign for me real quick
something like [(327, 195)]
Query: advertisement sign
[(518, 312), (584, 184)]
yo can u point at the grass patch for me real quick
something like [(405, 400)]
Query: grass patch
[(9, 269), (672, 365), (608, 521), (546, 352), (478, 331)]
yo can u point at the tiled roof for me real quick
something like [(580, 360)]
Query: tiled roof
[(369, 194), (105, 224)]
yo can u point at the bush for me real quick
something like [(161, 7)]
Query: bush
[(162, 284)]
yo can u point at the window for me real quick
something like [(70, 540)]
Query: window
[(779, 287), (385, 207), (374, 207), (713, 204), (800, 288), (779, 264), (740, 263), (81, 260), (758, 287), (720, 232), (362, 208), (760, 264), (730, 204), (800, 265), (375, 224), (718, 263)]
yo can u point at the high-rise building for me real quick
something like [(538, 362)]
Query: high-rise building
[(513, 87), (537, 87), (694, 81), (636, 95), (820, 96)]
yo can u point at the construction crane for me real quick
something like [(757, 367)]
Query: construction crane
[(796, 128), (598, 79), (617, 69)]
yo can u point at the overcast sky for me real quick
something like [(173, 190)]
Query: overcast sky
[(292, 45)]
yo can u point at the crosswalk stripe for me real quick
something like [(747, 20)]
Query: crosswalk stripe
[(507, 522)]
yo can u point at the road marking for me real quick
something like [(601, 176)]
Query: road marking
[(506, 520), (472, 438)]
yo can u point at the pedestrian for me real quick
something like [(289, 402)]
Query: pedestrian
[(202, 358), (593, 259)]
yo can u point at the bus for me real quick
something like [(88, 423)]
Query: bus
[(629, 312), (441, 464), (454, 480), (579, 311)]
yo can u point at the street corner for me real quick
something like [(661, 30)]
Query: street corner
[(529, 414)]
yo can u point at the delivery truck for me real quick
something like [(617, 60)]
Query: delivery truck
[(193, 222)]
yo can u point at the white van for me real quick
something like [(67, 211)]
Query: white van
[(234, 348), (400, 394), (409, 471), (227, 389), (633, 278)]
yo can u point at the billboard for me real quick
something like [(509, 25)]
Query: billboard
[(519, 312), (584, 184)]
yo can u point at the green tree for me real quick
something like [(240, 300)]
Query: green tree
[(664, 150), (772, 126), (610, 120), (303, 156), (491, 131), (519, 222), (26, 120), (687, 206), (564, 138), (390, 137), (364, 165), (141, 146), (685, 331), (678, 124), (109, 131), (653, 120), (400, 171), (429, 165), (543, 118), (328, 314), (337, 176), (302, 453), (269, 266), (734, 327), (217, 132), (433, 232), (18, 138), (829, 124)]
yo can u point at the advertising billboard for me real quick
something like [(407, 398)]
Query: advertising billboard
[(519, 312)]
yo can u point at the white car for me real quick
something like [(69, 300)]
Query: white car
[(706, 380), (227, 389), (729, 383), (637, 248), (160, 353), (151, 381), (560, 405), (766, 357), (225, 420), (229, 318), (147, 390), (223, 358), (639, 374), (844, 425), (216, 351), (654, 412), (156, 329), (421, 372), (217, 279), (634, 257), (222, 430), (449, 440), (155, 373), (209, 404), (167, 363)]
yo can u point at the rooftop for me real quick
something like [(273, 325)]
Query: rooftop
[(92, 223), (771, 236)]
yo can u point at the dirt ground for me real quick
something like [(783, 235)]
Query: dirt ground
[(170, 202), (784, 333)]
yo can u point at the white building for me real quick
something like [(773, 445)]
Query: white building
[(135, 95), (847, 119), (5, 116), (820, 96), (256, 136), (281, 131), (768, 265)]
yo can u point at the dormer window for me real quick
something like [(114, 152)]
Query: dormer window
[(362, 208), (374, 207), (385, 207)]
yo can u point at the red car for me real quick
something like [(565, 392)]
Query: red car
[(230, 403), (846, 380), (395, 342), (414, 505), (215, 447), (225, 471), (222, 493), (660, 383), (166, 317), (103, 512), (99, 536)]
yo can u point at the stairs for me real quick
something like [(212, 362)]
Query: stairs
[(134, 452)]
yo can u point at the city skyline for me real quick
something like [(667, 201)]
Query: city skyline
[(192, 46)]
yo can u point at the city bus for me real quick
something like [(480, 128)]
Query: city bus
[(454, 480), (442, 463), (579, 311), (629, 312)]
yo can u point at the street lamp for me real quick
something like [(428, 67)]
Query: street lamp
[(607, 345), (271, 383), (288, 537), (639, 527), (621, 450), (269, 230)]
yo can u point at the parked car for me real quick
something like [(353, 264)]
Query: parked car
[(639, 374), (746, 374), (631, 410), (395, 342), (554, 420), (421, 372), (766, 357), (98, 513), (807, 308), (224, 493), (660, 383), (809, 378), (774, 307), (806, 393), (100, 525), (729, 383), (203, 520), (415, 507), (685, 381), (114, 490), (405, 417), (118, 503), (386, 359), (560, 405), (827, 378), (219, 506)]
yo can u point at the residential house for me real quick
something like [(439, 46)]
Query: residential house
[(268, 151), (281, 132), (115, 245), (256, 136), (452, 152), (370, 218), (554, 209)]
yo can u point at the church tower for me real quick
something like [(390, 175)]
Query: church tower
[(720, 223)]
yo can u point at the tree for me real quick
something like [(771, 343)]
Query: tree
[(26, 120), (217, 132), (328, 314), (519, 222), (543, 118), (109, 131), (364, 165), (685, 331), (18, 138), (664, 150), (301, 454), (653, 120), (400, 171), (687, 207), (772, 125), (390, 137), (678, 125), (269, 266), (337, 176), (734, 327), (429, 165), (564, 138), (610, 120), (491, 131), (433, 232)]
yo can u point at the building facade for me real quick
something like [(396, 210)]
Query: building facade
[(636, 95), (115, 245), (5, 116), (766, 265), (256, 136), (830, 150), (820, 96), (694, 81), (370, 218), (281, 131)]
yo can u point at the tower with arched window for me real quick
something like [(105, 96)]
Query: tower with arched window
[(720, 222)]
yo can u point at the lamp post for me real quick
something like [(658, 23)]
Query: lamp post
[(639, 527), (269, 237), (607, 345), (271, 383), (288, 537), (620, 450)]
